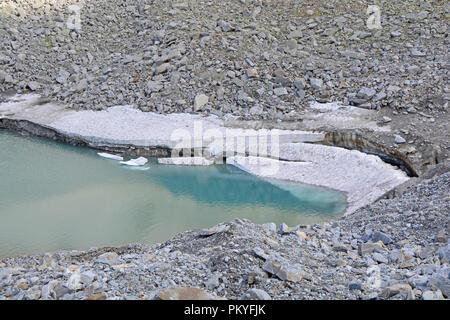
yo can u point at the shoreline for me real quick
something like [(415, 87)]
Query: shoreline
[(331, 260), (124, 129)]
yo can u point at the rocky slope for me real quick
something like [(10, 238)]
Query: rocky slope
[(394, 249), (255, 59), (261, 60), (264, 59)]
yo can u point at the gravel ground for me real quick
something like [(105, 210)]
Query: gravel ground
[(256, 59)]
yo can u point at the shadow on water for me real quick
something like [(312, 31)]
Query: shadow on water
[(226, 184)]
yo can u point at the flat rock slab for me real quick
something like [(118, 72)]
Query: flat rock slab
[(284, 270), (338, 116), (332, 116)]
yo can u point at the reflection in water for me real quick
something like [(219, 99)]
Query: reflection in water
[(227, 184), (54, 196)]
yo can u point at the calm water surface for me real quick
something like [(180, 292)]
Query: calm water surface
[(55, 196)]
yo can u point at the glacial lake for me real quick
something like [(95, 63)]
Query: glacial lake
[(55, 196)]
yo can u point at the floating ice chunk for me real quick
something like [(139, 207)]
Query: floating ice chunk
[(137, 168), (135, 162), (110, 156)]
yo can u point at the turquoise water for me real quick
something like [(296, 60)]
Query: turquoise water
[(55, 196)]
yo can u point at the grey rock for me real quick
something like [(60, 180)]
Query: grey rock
[(258, 252), (340, 20), (62, 77), (74, 282), (256, 294), (378, 257), (284, 229), (353, 54), (413, 69), (60, 290), (395, 289), (271, 226), (8, 78), (366, 93), (153, 86), (225, 26), (379, 96), (418, 281), (212, 282), (200, 101), (367, 248), (296, 34), (371, 296), (110, 68), (3, 75), (380, 236), (48, 261), (425, 253), (87, 277), (242, 96), (284, 81), (280, 91), (355, 286), (444, 253), (214, 230), (162, 68), (256, 110), (82, 85), (33, 85), (252, 73), (441, 283), (441, 236), (291, 44), (22, 284), (109, 258), (417, 53), (340, 248), (299, 83), (183, 293), (399, 139), (316, 84), (47, 290), (283, 270), (432, 295)]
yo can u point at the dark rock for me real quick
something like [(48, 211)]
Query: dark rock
[(380, 236), (442, 284), (354, 286)]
